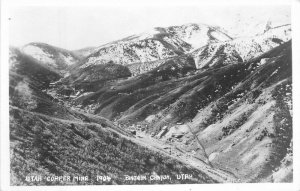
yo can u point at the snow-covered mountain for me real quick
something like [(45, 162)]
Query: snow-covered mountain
[(209, 45), (56, 58), (159, 43)]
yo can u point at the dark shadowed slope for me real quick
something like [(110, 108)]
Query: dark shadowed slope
[(94, 76)]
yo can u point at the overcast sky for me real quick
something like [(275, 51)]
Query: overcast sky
[(78, 27)]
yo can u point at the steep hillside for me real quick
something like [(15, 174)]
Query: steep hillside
[(160, 82), (252, 122), (239, 110), (56, 58), (42, 145)]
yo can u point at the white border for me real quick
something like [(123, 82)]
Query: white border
[(4, 128), (145, 2)]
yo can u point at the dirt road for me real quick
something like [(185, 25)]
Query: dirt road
[(154, 144)]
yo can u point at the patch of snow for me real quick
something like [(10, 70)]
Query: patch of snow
[(148, 34), (178, 129), (263, 61), (39, 54), (69, 60), (12, 59), (275, 72), (67, 74), (212, 156), (196, 36), (220, 36), (150, 118)]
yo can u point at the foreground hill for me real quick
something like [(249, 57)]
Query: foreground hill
[(48, 139), (47, 146)]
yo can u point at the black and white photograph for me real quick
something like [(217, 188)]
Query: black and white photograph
[(149, 94)]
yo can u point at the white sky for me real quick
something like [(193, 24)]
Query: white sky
[(79, 27)]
